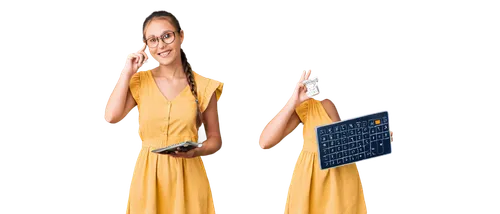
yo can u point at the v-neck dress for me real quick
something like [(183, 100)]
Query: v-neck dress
[(312, 190), (160, 183)]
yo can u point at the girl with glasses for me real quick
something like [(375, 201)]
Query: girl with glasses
[(173, 101)]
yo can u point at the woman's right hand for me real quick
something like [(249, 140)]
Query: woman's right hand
[(299, 94), (135, 61)]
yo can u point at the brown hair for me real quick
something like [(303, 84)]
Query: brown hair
[(185, 64)]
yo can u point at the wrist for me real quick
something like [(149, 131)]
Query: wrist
[(126, 75), (292, 103), (197, 152)]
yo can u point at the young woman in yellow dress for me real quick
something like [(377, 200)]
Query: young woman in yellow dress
[(312, 190), (172, 101)]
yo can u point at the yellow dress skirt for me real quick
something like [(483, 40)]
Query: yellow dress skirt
[(316, 191)]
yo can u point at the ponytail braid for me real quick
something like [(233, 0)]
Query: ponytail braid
[(192, 84)]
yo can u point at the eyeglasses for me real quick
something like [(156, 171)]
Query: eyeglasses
[(167, 38)]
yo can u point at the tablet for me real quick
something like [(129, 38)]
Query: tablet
[(182, 147)]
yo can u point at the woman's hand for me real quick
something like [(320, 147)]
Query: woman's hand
[(391, 137), (189, 154), (299, 94), (135, 60)]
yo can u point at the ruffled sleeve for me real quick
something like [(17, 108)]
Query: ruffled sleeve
[(206, 87), (134, 86)]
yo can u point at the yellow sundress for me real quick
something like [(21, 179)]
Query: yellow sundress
[(160, 183)]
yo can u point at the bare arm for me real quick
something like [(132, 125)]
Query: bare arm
[(330, 110), (286, 120), (279, 127), (121, 101), (211, 123)]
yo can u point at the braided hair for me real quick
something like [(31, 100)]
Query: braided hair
[(185, 64)]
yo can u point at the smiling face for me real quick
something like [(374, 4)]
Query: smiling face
[(164, 53)]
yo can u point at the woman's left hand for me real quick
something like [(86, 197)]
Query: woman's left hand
[(189, 154), (391, 137)]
